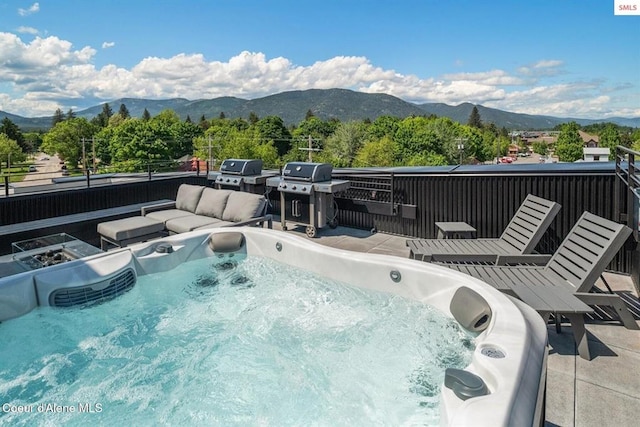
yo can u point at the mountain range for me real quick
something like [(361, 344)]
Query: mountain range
[(342, 104)]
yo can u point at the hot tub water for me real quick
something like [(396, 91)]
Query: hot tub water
[(236, 343)]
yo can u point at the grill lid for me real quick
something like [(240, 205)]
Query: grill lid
[(310, 172), (241, 167)]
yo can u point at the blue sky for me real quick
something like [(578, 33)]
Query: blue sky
[(566, 58)]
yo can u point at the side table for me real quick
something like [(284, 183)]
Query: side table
[(449, 230)]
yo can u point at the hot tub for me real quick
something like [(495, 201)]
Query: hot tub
[(502, 384)]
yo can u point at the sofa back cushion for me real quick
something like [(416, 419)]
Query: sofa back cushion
[(188, 197), (212, 202), (243, 206)]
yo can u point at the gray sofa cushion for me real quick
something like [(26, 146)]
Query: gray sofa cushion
[(212, 202), (168, 214), (189, 223), (129, 228), (216, 224), (243, 206), (188, 197)]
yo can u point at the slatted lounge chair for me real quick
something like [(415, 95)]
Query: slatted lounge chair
[(521, 236), (562, 285)]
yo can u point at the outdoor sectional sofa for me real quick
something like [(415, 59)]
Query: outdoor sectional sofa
[(196, 207)]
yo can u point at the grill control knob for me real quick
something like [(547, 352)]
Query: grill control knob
[(284, 185), (235, 181), (228, 180), (304, 188), (293, 188)]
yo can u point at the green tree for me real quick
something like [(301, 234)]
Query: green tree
[(540, 147), (253, 118), (70, 114), (272, 128), (145, 115), (610, 137), (203, 123), (65, 139), (379, 152), (314, 128), (474, 118), (33, 140), (343, 144), (309, 114), (58, 117), (569, 144), (10, 150), (124, 112), (102, 119), (12, 131), (383, 126)]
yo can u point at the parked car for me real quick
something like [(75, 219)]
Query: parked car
[(44, 158)]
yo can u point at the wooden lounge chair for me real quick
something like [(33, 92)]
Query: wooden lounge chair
[(562, 285), (521, 236)]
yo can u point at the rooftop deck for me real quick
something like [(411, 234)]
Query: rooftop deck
[(603, 391)]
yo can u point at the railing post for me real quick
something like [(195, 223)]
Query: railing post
[(6, 185), (87, 172), (197, 167)]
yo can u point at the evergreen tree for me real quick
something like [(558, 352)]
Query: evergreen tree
[(124, 112), (104, 116), (203, 123), (145, 115), (222, 116), (188, 119), (474, 118), (13, 132), (71, 114), (309, 114), (253, 118), (58, 117)]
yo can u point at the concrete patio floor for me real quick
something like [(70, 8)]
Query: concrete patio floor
[(604, 391)]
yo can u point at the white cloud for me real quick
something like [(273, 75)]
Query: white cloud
[(33, 9), (106, 45), (27, 30), (48, 73)]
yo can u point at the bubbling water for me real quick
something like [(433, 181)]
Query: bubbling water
[(239, 342)]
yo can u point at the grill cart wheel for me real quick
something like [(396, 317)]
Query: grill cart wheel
[(333, 223), (311, 231)]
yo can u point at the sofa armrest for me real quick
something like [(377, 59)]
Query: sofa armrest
[(266, 219), (157, 207)]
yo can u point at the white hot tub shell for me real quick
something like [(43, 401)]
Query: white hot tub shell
[(511, 350)]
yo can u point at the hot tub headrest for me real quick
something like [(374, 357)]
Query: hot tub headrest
[(226, 242), (470, 309)]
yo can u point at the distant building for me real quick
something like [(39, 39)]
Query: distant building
[(595, 154), (589, 140)]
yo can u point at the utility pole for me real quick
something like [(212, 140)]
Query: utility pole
[(84, 157), (460, 144), (93, 150), (309, 149), (210, 159)]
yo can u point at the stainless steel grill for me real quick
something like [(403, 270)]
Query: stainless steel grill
[(306, 195), (242, 174)]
